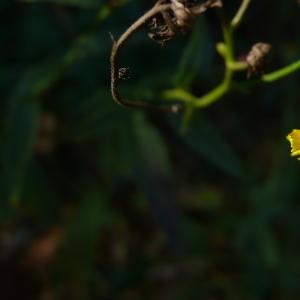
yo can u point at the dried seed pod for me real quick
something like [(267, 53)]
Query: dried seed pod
[(162, 35), (202, 8), (166, 25), (183, 15), (162, 28), (257, 58), (153, 24)]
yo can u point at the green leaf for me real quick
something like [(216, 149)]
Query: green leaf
[(81, 3), (205, 139), (155, 175), (91, 117), (152, 147), (20, 133), (78, 251), (196, 55)]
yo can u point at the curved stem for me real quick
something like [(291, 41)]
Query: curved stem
[(204, 101), (227, 51), (224, 87), (240, 14), (117, 45), (285, 71)]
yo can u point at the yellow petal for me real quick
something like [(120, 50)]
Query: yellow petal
[(294, 139)]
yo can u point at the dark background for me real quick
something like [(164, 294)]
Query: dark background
[(101, 202)]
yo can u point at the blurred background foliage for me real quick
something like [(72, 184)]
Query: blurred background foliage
[(101, 202)]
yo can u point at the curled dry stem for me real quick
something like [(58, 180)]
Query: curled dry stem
[(118, 44), (182, 14)]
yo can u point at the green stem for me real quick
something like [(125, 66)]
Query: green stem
[(226, 50), (189, 111), (192, 102), (228, 39), (237, 66), (240, 14), (213, 95), (224, 87), (283, 72)]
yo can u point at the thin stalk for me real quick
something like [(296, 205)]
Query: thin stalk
[(283, 72), (224, 86), (118, 44), (240, 14)]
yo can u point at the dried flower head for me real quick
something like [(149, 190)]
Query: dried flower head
[(180, 18), (162, 28), (182, 14), (257, 58), (167, 18)]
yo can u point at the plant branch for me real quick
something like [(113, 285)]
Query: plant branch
[(118, 44), (225, 49), (227, 52), (283, 72), (240, 14)]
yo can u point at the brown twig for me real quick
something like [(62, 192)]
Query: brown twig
[(117, 45), (181, 16)]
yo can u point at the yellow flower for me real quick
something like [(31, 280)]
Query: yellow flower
[(294, 139)]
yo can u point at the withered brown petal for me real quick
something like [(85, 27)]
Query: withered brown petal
[(201, 8)]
